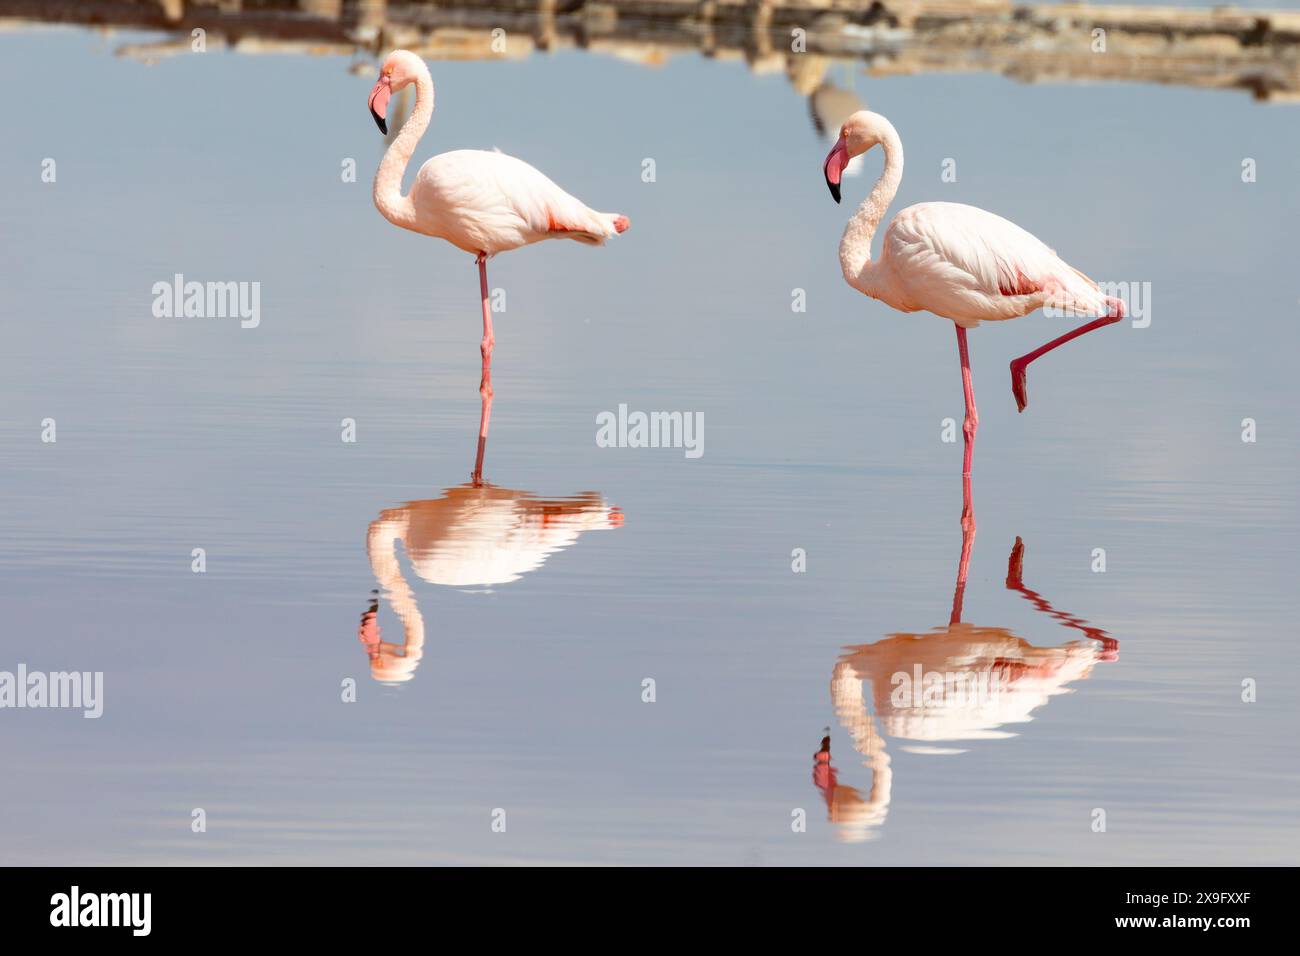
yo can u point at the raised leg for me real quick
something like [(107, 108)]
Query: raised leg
[(972, 422), (1114, 312)]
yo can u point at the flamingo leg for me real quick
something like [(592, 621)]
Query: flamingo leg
[(967, 543), (969, 428), (476, 476), (485, 347), (972, 422), (1114, 312)]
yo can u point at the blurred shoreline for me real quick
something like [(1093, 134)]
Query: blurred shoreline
[(1257, 51)]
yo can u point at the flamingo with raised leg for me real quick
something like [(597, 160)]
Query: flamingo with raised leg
[(957, 261), (481, 201)]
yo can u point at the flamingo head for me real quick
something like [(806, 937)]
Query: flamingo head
[(399, 70), (860, 132)]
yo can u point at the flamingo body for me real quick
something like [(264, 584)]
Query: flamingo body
[(969, 265), (485, 201)]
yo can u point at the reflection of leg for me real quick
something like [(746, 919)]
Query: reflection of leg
[(1015, 582), (972, 422), (485, 347), (1114, 312), (967, 542)]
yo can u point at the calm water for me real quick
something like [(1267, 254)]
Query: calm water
[(533, 609)]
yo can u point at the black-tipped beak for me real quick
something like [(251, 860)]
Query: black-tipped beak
[(833, 168), (378, 102)]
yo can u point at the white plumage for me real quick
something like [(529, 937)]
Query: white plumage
[(970, 265), (486, 201), (481, 201)]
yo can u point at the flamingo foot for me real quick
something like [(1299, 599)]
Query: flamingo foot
[(1019, 385)]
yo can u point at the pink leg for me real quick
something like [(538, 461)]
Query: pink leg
[(485, 348), (1114, 312), (969, 428), (972, 422), (485, 384), (967, 543), (477, 475)]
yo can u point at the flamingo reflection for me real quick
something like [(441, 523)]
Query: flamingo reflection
[(955, 683), (476, 535)]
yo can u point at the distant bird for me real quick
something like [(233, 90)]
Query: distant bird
[(956, 261), (480, 201), (829, 106)]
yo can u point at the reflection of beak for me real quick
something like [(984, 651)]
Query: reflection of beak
[(369, 633), (379, 103), (834, 167)]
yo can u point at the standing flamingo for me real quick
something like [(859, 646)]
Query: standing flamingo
[(482, 202), (956, 261)]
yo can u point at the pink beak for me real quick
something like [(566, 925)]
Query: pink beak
[(834, 167), (379, 97)]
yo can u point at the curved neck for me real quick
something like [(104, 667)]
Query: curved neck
[(847, 700), (381, 548), (396, 208), (855, 246)]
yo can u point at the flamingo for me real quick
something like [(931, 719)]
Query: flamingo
[(959, 262), (480, 201)]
